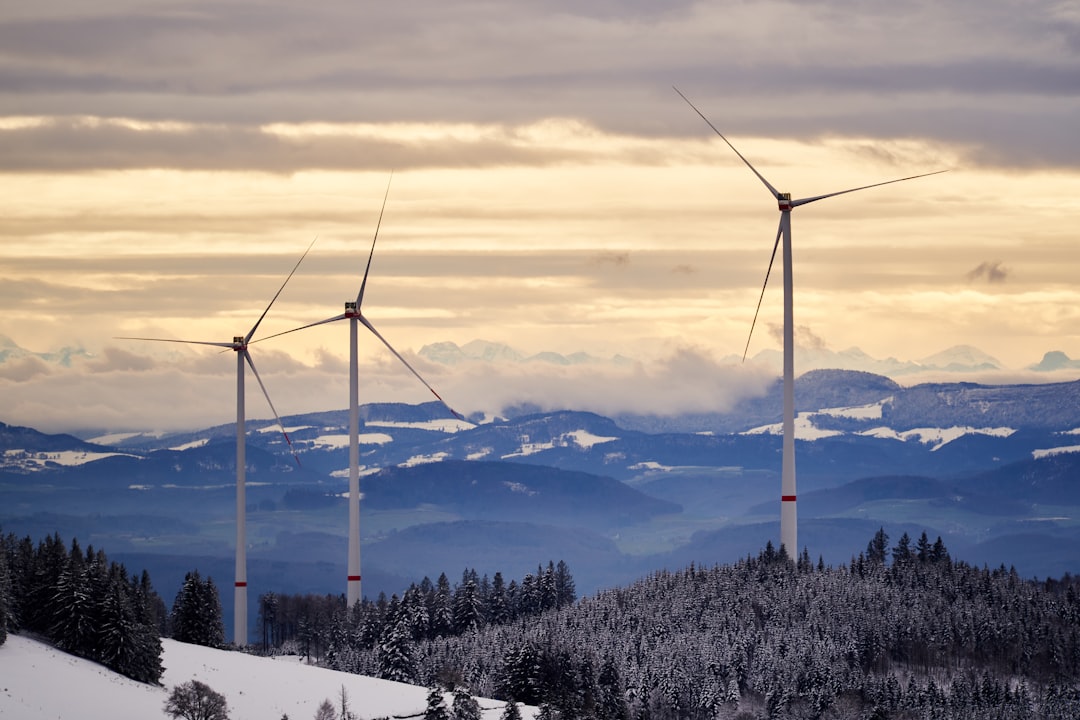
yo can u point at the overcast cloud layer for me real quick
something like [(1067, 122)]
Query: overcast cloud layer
[(163, 164)]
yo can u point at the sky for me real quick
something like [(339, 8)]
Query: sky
[(163, 165), (254, 687)]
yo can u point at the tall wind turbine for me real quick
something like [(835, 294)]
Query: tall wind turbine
[(355, 317), (239, 345), (788, 515)]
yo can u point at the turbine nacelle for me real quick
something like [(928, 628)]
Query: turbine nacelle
[(351, 309), (784, 201), (239, 342)]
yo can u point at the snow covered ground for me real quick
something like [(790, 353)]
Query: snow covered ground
[(38, 682)]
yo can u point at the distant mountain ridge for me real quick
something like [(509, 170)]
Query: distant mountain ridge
[(957, 359), (974, 463)]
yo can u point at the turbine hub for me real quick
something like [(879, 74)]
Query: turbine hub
[(350, 310), (784, 200), (238, 342)]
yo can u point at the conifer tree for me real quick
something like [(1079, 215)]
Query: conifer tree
[(436, 706), (196, 613), (511, 711), (464, 706), (5, 591)]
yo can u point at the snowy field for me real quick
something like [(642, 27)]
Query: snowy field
[(38, 682)]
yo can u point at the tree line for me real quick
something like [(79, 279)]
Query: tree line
[(82, 603), (322, 627)]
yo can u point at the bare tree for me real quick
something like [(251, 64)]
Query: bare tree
[(196, 701), (325, 711)]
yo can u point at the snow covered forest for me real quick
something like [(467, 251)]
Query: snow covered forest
[(81, 602), (899, 632)]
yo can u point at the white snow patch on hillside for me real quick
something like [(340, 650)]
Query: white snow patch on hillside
[(586, 439), (938, 437), (528, 448), (424, 459), (446, 425), (481, 453), (804, 429), (1074, 431), (191, 445), (275, 429), (861, 412), (42, 683), (519, 488), (342, 441), (36, 460), (651, 465), (1048, 452)]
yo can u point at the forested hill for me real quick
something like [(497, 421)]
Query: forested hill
[(903, 632)]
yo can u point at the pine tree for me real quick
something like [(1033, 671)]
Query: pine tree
[(565, 591), (511, 711), (71, 608), (436, 706), (196, 613), (6, 600), (442, 611), (464, 706), (498, 608), (467, 611), (395, 656)]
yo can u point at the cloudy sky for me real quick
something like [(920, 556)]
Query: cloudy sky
[(163, 164)]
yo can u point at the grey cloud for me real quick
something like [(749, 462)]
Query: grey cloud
[(611, 257), (24, 369), (805, 337), (71, 145), (993, 272), (115, 359), (982, 74)]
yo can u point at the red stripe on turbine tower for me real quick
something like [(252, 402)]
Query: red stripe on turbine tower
[(787, 498)]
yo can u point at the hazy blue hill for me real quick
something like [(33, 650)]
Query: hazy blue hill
[(1054, 406), (15, 437), (1053, 481), (513, 491), (832, 501)]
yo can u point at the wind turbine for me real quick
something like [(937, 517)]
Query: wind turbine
[(355, 317), (788, 515), (239, 345)]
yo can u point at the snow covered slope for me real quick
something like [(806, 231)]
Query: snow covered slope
[(38, 682)]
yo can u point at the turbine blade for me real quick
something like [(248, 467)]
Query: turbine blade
[(360, 295), (185, 342), (255, 327), (775, 194), (804, 201), (371, 327), (302, 327), (251, 364), (779, 231)]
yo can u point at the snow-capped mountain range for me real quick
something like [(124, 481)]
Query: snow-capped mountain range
[(999, 470), (957, 359)]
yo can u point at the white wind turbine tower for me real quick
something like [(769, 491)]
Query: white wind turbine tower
[(355, 317), (788, 515), (239, 345)]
